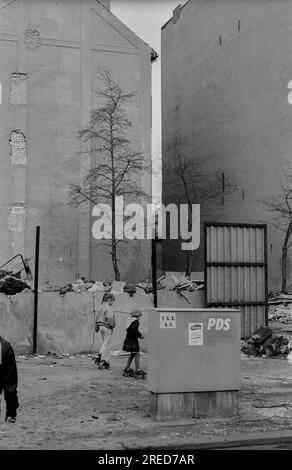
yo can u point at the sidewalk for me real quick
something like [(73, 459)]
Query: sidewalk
[(240, 440), (264, 418)]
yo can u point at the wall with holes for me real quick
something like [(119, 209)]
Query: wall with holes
[(50, 53)]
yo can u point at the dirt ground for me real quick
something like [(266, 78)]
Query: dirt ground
[(67, 403)]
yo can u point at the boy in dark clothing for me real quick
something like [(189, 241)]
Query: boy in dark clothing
[(8, 379)]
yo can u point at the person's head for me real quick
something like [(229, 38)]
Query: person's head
[(109, 298), (136, 313)]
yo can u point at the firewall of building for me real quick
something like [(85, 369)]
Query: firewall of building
[(50, 52), (225, 70)]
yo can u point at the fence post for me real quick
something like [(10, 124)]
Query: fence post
[(36, 287)]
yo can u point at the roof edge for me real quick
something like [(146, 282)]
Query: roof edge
[(153, 53)]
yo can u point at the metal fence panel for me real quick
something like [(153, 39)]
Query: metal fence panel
[(236, 271)]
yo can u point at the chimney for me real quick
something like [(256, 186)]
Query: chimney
[(176, 14)]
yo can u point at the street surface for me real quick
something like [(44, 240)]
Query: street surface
[(67, 403)]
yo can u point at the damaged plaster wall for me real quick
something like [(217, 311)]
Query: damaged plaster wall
[(16, 220), (32, 38), (18, 148)]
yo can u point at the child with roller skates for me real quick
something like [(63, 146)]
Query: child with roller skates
[(105, 324), (131, 345)]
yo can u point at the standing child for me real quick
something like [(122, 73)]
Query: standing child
[(8, 379), (131, 345), (105, 324)]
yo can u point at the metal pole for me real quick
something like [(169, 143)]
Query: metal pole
[(154, 280), (36, 286)]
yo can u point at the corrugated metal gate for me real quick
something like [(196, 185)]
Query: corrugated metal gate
[(236, 271)]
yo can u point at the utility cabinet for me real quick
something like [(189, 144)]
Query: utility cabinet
[(193, 362)]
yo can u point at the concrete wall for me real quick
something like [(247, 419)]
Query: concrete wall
[(49, 55), (66, 323), (225, 70)]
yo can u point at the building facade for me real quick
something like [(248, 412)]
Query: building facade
[(50, 52), (226, 66)]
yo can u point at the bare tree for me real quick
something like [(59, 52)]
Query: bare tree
[(116, 167), (192, 185), (281, 207)]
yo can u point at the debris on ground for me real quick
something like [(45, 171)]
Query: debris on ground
[(161, 283), (17, 267), (146, 286), (48, 288), (279, 298), (172, 283), (117, 287), (65, 289), (130, 289), (11, 285), (280, 307), (263, 343), (185, 283), (4, 273), (97, 286), (55, 355), (280, 314), (119, 352), (80, 285), (13, 278)]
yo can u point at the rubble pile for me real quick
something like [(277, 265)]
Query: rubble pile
[(11, 281), (183, 283), (11, 285), (145, 286), (130, 289), (280, 307), (4, 273), (263, 343), (81, 285)]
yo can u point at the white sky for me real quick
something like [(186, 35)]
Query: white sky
[(145, 18)]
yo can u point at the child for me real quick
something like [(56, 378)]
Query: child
[(131, 345), (105, 324), (8, 379)]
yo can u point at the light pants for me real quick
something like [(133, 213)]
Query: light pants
[(106, 335)]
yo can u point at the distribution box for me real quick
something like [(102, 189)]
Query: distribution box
[(193, 350)]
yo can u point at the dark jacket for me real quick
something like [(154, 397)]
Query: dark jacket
[(131, 343), (8, 368)]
